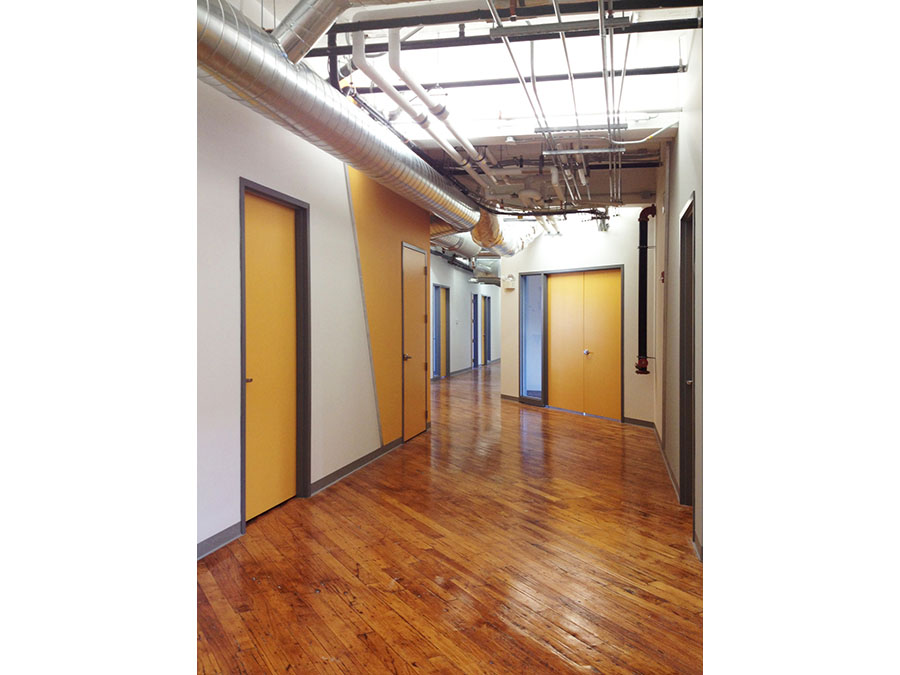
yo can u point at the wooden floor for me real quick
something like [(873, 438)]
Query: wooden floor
[(508, 539)]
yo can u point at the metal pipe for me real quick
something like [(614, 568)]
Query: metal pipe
[(584, 151), (619, 104), (461, 244), (574, 192), (587, 127), (438, 110), (493, 160), (309, 19), (617, 174), (562, 37), (554, 181), (548, 136), (643, 219), (304, 24), (553, 28), (602, 32), (420, 118), (244, 61), (644, 140)]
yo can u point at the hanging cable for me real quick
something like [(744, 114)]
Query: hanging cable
[(565, 47), (644, 140), (547, 135), (538, 99), (602, 31)]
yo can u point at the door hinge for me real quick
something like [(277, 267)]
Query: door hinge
[(425, 270), (426, 366), (425, 319)]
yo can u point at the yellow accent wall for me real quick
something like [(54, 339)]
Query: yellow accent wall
[(384, 220)]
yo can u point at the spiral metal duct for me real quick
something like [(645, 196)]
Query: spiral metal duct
[(308, 21), (458, 243), (251, 64), (246, 63)]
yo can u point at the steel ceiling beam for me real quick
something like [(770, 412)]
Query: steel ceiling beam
[(591, 165), (521, 12), (472, 40), (516, 30), (496, 81)]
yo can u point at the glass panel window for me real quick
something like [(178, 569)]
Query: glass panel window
[(531, 329)]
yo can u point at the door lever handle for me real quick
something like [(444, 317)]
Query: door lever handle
[(689, 382), (587, 351), (248, 379), (406, 357)]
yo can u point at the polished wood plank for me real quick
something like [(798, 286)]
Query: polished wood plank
[(508, 538)]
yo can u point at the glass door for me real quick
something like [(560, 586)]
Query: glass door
[(532, 300)]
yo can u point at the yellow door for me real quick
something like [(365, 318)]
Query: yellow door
[(603, 341), (271, 352), (445, 327), (565, 341), (415, 342)]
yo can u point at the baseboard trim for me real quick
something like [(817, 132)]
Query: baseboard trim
[(638, 423), (509, 398), (665, 459), (490, 363), (335, 476), (460, 372), (217, 541)]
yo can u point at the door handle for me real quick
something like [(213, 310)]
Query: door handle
[(248, 379), (689, 382), (587, 351), (406, 357)]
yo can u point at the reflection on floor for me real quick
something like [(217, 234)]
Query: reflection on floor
[(509, 538)]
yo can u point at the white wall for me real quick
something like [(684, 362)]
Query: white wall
[(582, 246), (686, 178), (657, 264), (235, 142), (461, 292)]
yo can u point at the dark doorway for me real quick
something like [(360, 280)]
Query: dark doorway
[(686, 358), (474, 330), (486, 305), (440, 331)]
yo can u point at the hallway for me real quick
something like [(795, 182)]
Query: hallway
[(506, 539)]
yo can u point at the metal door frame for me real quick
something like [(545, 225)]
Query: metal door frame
[(403, 438), (304, 398), (486, 309), (686, 342), (475, 333), (438, 289), (544, 340), (533, 400)]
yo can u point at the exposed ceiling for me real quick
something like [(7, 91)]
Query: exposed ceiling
[(503, 118)]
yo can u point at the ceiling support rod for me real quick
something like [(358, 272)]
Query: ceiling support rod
[(548, 136)]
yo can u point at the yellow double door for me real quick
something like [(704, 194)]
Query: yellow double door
[(584, 342)]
